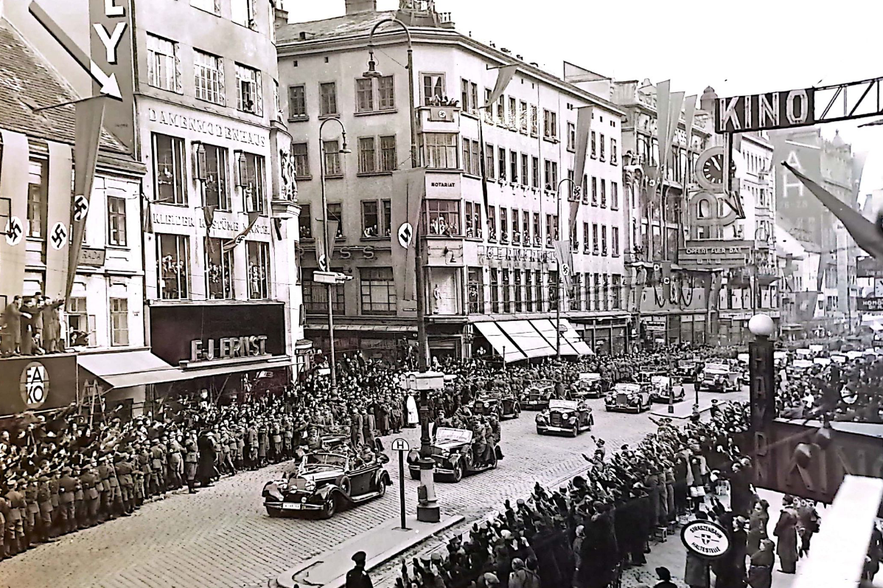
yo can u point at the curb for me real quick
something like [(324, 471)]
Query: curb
[(286, 579)]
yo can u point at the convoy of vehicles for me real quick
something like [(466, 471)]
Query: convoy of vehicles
[(565, 416), (455, 455), (628, 397)]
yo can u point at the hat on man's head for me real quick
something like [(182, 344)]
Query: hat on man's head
[(359, 557)]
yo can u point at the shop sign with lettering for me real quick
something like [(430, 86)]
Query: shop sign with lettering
[(443, 186), (347, 252), (223, 222), (492, 253), (92, 257), (228, 348), (206, 127), (715, 253), (110, 42)]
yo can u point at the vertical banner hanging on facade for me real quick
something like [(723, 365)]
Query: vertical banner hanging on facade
[(583, 130), (252, 219), (689, 115), (663, 111), (504, 76), (676, 104), (90, 114), (13, 212), (319, 237), (564, 254), (58, 218), (409, 187)]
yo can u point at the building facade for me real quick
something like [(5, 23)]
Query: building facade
[(200, 110), (490, 272)]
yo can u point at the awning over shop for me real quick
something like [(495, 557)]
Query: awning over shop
[(140, 367), (575, 340), (528, 339), (500, 342), (550, 334)]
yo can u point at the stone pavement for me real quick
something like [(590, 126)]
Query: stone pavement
[(222, 537)]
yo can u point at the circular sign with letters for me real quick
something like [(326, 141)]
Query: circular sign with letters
[(405, 233), (34, 385), (706, 539), (81, 207), (15, 231), (58, 236), (400, 444)]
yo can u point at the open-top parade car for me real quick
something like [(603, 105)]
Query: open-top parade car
[(453, 454), (688, 370), (719, 377), (588, 385), (537, 395), (646, 376), (664, 389), (565, 416), (627, 397), (327, 481), (501, 405)]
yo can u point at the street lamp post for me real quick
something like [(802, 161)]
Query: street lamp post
[(560, 267), (427, 506), (329, 244), (763, 380)]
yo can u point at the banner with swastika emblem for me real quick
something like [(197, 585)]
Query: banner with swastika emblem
[(58, 218), (14, 190)]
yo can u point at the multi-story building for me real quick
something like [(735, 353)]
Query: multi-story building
[(105, 304), (490, 271), (799, 270), (670, 303), (200, 109), (833, 164)]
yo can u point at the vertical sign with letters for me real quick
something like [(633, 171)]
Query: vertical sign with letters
[(111, 50)]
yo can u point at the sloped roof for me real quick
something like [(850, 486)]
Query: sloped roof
[(27, 82), (341, 26)]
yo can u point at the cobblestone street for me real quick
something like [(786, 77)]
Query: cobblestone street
[(222, 536)]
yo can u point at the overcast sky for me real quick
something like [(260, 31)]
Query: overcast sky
[(749, 46)]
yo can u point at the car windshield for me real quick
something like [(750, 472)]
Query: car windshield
[(448, 436), (624, 388), (562, 404), (325, 459)]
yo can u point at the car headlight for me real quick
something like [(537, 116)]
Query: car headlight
[(310, 486), (571, 418), (541, 418)]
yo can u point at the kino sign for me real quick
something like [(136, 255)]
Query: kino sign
[(799, 108)]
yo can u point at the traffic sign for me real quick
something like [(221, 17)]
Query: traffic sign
[(706, 539), (400, 444)]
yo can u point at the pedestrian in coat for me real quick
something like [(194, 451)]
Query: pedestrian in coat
[(757, 526), (808, 525), (207, 457), (786, 531), (191, 462), (12, 323), (357, 577), (760, 574)]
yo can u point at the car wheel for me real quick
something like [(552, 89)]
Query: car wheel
[(381, 488), (458, 473), (329, 508), (575, 431), (274, 513)]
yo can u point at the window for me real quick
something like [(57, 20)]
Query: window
[(388, 158), (501, 111), (242, 12), (551, 177), (376, 219), (525, 170), (335, 214), (550, 125), (489, 161), (495, 290), (162, 64), (523, 117), (258, 270), (207, 5), (535, 173), (173, 266), (467, 156), (251, 180), (513, 167), (528, 290), (504, 225), (594, 239), (592, 140), (601, 144), (492, 223), (473, 220), (119, 321), (489, 111), (305, 222), (316, 295), (471, 155), (297, 102), (328, 99), (473, 89), (367, 156), (603, 193), (249, 90), (364, 94), (208, 76), (603, 240), (616, 292), (594, 191), (597, 293), (378, 290), (211, 170), (475, 289), (507, 298), (433, 88), (332, 159), (386, 94), (464, 96), (614, 196), (218, 270), (116, 221), (501, 162), (538, 290), (553, 290), (534, 122), (516, 231), (476, 158), (169, 176), (614, 241), (301, 154), (614, 155), (442, 218), (519, 298), (586, 238), (548, 230), (78, 320), (37, 199), (440, 150), (513, 113), (537, 230), (571, 136), (525, 228)]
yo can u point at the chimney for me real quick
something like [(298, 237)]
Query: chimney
[(356, 6), (280, 17)]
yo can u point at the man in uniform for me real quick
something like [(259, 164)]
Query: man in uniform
[(89, 480), (158, 468), (124, 471), (356, 577), (191, 461), (54, 479), (67, 488), (44, 502), (252, 437), (176, 463), (79, 500), (33, 533), (15, 534)]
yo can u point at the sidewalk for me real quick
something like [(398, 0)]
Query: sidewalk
[(381, 544), (684, 408)]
